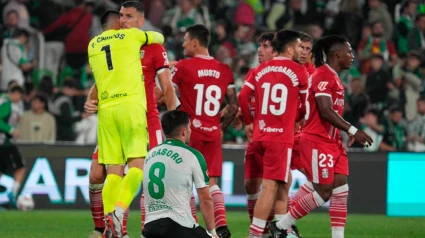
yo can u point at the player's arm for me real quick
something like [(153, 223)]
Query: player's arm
[(324, 104), (148, 37), (302, 95), (201, 181), (90, 106), (164, 78), (231, 108)]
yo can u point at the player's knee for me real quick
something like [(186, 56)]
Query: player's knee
[(96, 177), (251, 186), (269, 186)]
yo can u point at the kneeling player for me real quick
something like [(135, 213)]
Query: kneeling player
[(172, 168)]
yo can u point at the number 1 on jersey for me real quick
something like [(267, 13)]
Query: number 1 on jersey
[(273, 96), (107, 49)]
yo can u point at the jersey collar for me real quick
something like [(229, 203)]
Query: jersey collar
[(204, 57), (281, 58), (331, 69)]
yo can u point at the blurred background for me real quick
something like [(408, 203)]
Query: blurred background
[(384, 88)]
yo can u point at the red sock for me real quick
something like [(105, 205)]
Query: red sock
[(142, 210), (193, 208), (269, 219), (304, 190), (251, 201), (124, 222), (219, 209), (338, 210), (304, 206), (96, 206)]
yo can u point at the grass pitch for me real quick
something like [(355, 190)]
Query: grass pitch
[(78, 223)]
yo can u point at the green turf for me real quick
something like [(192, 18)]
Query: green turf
[(37, 224)]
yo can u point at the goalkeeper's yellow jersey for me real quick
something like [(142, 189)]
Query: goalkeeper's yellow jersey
[(114, 58)]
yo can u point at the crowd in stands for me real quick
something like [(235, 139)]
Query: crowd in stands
[(385, 88)]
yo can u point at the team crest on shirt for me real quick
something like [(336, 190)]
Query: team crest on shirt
[(325, 173), (262, 124), (196, 123), (322, 85), (142, 54), (104, 95)]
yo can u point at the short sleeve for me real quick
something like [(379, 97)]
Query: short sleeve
[(200, 171), (177, 73), (147, 37), (250, 80), (229, 77), (303, 79), (161, 58), (322, 84)]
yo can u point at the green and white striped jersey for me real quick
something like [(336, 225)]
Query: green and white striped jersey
[(170, 171)]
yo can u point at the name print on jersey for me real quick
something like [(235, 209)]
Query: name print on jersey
[(208, 73), (278, 69), (169, 153)]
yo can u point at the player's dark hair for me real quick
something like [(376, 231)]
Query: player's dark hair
[(172, 121), (41, 98), (323, 46), (20, 32), (201, 33), (304, 37), (136, 4), (70, 83), (106, 16), (394, 108), (418, 17), (12, 12), (421, 98), (16, 88), (283, 38), (266, 36)]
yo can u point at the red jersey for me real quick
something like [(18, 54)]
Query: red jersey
[(323, 82), (277, 85), (154, 58), (203, 82), (310, 68)]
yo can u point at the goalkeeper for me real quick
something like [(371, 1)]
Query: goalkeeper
[(114, 58)]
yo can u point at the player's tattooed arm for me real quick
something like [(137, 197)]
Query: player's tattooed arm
[(90, 107), (231, 108), (169, 94)]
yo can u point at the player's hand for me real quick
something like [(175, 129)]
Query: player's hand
[(172, 63), (363, 138), (16, 133), (90, 107), (351, 142), (216, 236), (249, 131), (237, 122)]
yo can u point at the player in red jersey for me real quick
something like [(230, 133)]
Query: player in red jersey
[(277, 85), (203, 83), (325, 159), (155, 63)]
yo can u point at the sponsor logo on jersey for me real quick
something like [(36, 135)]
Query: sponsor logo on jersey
[(322, 85), (104, 95), (118, 95), (198, 125), (339, 102), (264, 128)]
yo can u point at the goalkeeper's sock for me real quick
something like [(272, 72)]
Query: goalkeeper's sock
[(109, 195), (127, 190), (96, 206)]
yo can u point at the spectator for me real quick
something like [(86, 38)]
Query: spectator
[(412, 83), (370, 125), (357, 102), (394, 133), (74, 25), (377, 83), (376, 44), (24, 17), (416, 37), (416, 128), (29, 95), (38, 125), (404, 25), (379, 12), (10, 26), (15, 59), (183, 16), (63, 110)]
